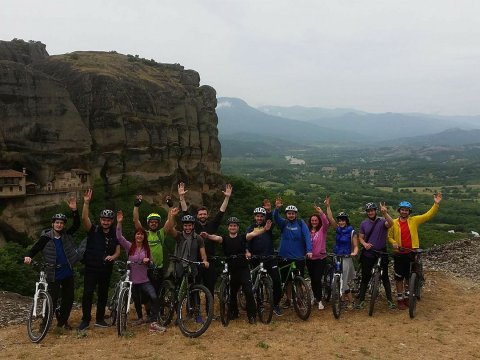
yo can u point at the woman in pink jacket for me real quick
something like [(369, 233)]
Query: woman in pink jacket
[(318, 225)]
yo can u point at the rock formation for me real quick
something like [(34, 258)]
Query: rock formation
[(113, 115)]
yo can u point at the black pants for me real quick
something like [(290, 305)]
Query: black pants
[(208, 277), (316, 268), (145, 291), (64, 288), (241, 277), (367, 266), (99, 280), (272, 270)]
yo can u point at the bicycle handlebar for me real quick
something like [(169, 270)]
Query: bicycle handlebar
[(180, 259)]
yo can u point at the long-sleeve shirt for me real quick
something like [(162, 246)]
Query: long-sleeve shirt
[(138, 272), (319, 239), (295, 239)]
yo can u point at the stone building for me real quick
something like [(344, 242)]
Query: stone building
[(12, 183), (73, 179)]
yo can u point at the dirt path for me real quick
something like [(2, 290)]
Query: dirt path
[(446, 327)]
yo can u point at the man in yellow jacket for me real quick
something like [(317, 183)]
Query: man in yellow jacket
[(403, 236)]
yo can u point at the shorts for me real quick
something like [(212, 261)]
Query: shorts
[(401, 266)]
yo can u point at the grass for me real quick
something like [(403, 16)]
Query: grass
[(263, 345)]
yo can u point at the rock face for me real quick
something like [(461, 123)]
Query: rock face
[(113, 115)]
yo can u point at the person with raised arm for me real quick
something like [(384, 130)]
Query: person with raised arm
[(59, 250), (203, 224), (102, 248), (403, 235), (346, 244)]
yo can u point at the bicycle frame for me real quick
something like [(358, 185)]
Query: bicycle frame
[(41, 284), (292, 272)]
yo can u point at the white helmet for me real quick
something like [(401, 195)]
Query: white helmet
[(260, 210), (291, 208)]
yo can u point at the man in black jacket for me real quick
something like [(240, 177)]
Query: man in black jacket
[(59, 251)]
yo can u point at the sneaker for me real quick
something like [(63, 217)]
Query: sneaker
[(101, 324), (65, 326), (320, 306), (252, 320), (155, 327), (83, 325), (198, 319), (360, 305), (287, 303), (138, 322), (391, 305), (277, 310), (401, 305)]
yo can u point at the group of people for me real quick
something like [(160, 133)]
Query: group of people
[(302, 242)]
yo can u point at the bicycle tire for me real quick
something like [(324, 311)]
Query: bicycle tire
[(375, 289), (225, 301), (122, 312), (112, 307), (37, 327), (412, 298), (195, 311), (327, 284), (302, 301), (166, 297), (264, 298), (242, 302), (336, 297)]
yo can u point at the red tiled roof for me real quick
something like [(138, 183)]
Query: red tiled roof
[(10, 174)]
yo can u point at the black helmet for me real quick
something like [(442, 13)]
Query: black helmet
[(342, 215), (233, 220), (108, 214), (59, 217), (370, 205), (188, 219)]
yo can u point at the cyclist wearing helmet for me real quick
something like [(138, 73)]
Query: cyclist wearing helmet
[(373, 235), (235, 244), (202, 224), (59, 249), (404, 234), (156, 239), (259, 238), (295, 241), (101, 250), (189, 245), (346, 244)]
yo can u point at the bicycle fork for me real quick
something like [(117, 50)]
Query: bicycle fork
[(35, 298)]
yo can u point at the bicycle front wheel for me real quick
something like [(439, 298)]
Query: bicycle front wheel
[(302, 301), (336, 297), (375, 287), (195, 311), (112, 307), (225, 301), (327, 284), (412, 296), (40, 318), (166, 297), (264, 298), (122, 312)]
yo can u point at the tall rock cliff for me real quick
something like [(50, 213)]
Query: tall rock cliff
[(113, 115)]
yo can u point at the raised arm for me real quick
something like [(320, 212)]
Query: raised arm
[(181, 196), (170, 223), (280, 221), (72, 204), (227, 193), (136, 216), (329, 212), (121, 239), (386, 215), (268, 225), (437, 198), (87, 196)]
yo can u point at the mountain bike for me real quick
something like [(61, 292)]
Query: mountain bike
[(416, 280), (336, 283), (262, 286), (119, 303), (193, 302), (302, 301), (374, 285), (41, 312)]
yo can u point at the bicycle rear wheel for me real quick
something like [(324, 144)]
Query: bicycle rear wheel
[(375, 288), (336, 297), (225, 301), (195, 311), (412, 297), (327, 284), (122, 314), (166, 297), (302, 301), (38, 324), (264, 298)]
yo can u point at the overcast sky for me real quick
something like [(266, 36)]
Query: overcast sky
[(372, 55)]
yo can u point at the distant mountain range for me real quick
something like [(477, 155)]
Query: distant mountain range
[(240, 123)]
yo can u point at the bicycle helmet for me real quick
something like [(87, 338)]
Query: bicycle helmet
[(233, 220), (59, 217), (154, 216), (342, 215), (291, 208), (188, 219), (370, 205), (108, 214), (406, 205), (260, 210)]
